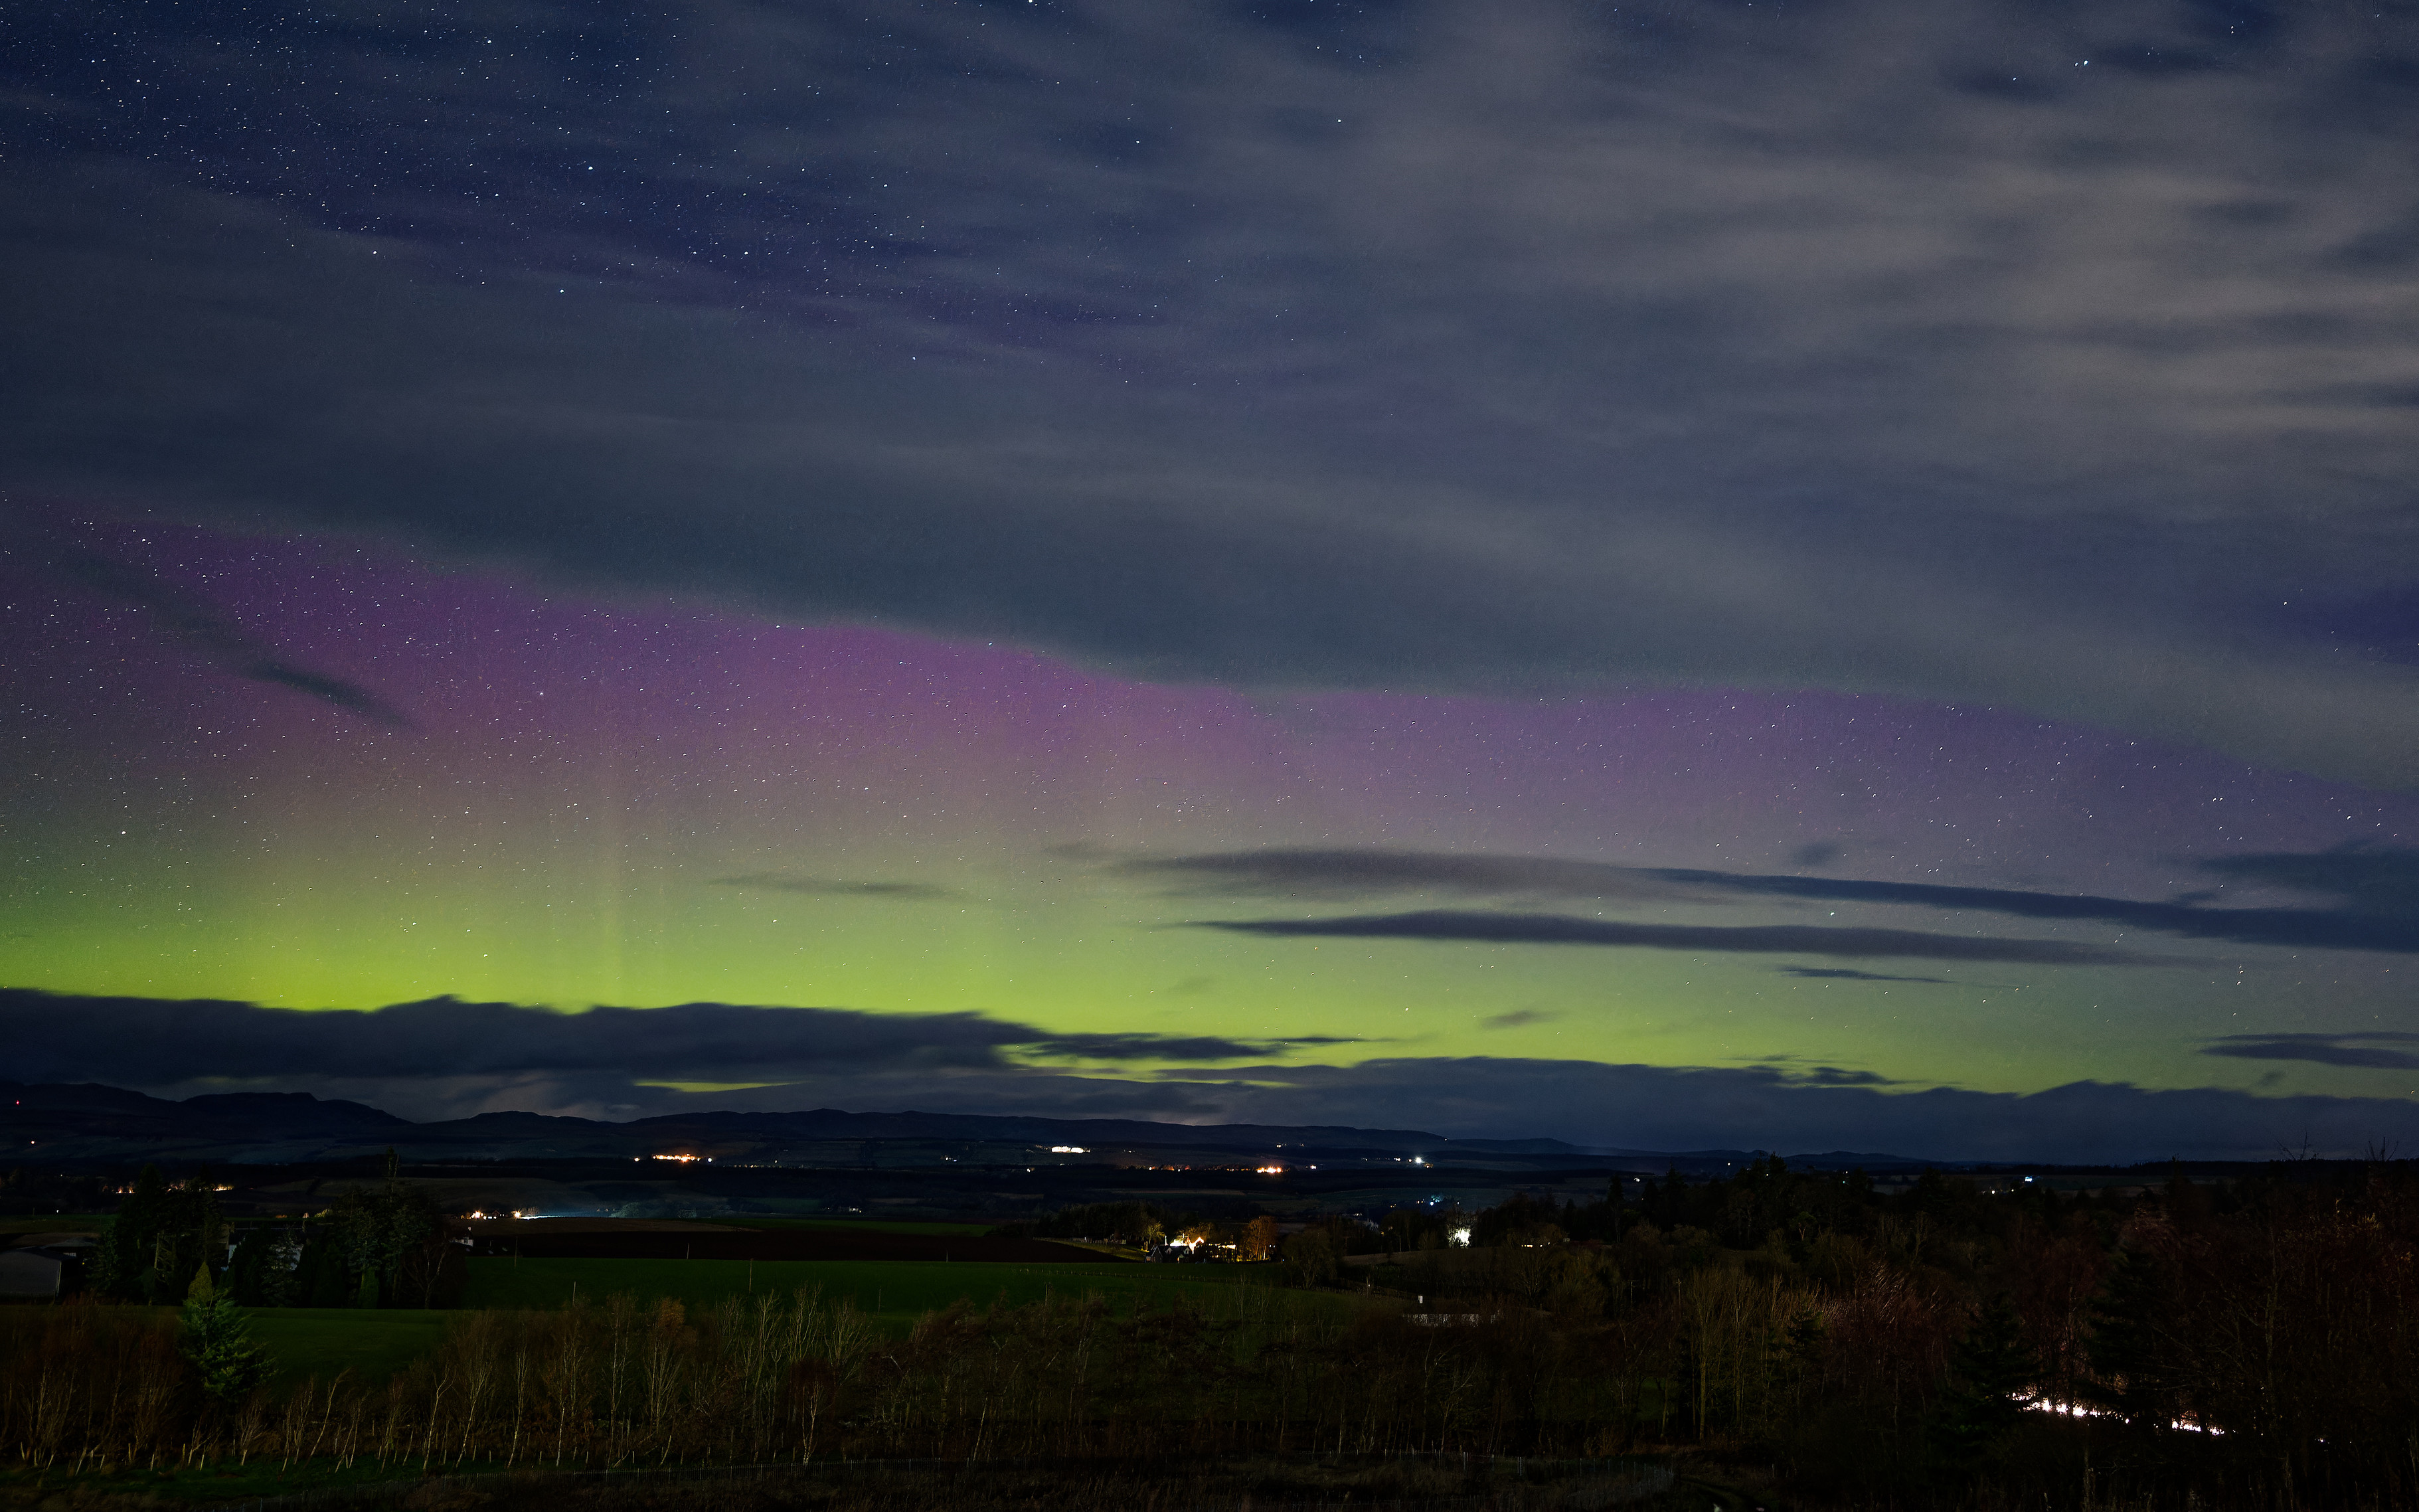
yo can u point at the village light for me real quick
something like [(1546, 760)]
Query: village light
[(1461, 1238)]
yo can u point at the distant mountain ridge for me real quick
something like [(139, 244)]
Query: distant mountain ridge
[(92, 1124)]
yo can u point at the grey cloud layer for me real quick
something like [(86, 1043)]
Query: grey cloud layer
[(144, 1041), (445, 1057), (1475, 927), (835, 887), (1699, 1109), (2378, 908), (1873, 347), (2368, 1051)]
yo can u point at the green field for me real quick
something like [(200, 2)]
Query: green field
[(373, 1342), (320, 1341), (862, 1225), (896, 1292), (52, 1222)]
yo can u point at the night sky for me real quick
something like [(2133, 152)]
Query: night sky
[(1804, 576)]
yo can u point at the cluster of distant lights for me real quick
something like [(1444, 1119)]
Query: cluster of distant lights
[(2043, 1404), (683, 1158)]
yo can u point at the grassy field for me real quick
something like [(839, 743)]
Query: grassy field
[(51, 1223), (896, 1292), (320, 1341), (868, 1226)]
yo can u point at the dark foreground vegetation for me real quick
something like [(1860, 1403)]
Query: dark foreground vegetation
[(1796, 1334)]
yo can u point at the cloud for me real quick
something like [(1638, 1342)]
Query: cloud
[(2351, 929), (1520, 1018), (1846, 974), (446, 1059), (1281, 871), (2371, 879), (1763, 1107), (1682, 1108), (1168, 1047), (148, 1042), (199, 628), (1840, 1076), (1445, 924), (828, 887), (2382, 886), (2359, 1050), (1788, 347)]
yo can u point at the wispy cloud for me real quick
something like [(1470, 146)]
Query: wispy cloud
[(1520, 1018), (2374, 1050), (2381, 886), (1289, 871), (1469, 926), (835, 887), (1849, 974), (194, 625), (2372, 879)]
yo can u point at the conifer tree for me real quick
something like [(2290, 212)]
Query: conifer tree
[(218, 1342), (2127, 1345), (1991, 1374), (122, 1265)]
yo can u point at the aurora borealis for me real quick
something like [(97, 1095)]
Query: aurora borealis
[(1155, 625)]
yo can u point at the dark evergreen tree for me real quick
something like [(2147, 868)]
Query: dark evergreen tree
[(1668, 1205), (2128, 1345), (218, 1342), (260, 1272), (122, 1261), (161, 1233), (390, 1247), (319, 1277), (1991, 1374)]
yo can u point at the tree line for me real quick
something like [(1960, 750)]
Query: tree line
[(384, 1246), (2259, 1339)]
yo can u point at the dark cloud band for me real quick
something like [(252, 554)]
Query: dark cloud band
[(146, 1042), (832, 888), (2360, 1051), (201, 628), (2381, 886), (432, 1060), (1470, 926)]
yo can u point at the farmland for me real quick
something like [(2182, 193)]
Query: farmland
[(372, 1342), (893, 1293)]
